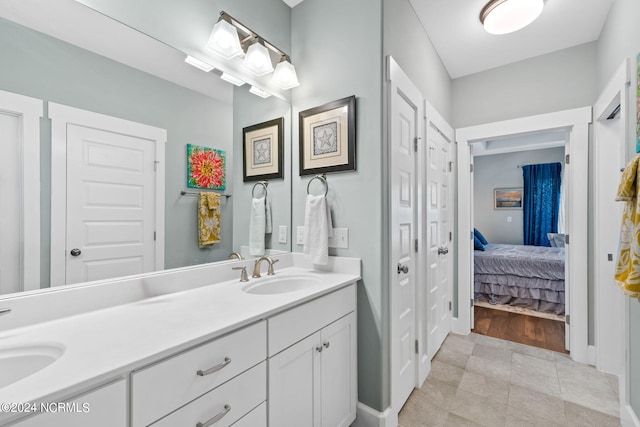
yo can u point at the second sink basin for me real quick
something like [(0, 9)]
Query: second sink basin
[(279, 285), (17, 363)]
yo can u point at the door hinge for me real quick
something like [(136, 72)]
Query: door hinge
[(415, 245), (450, 306), (415, 144), (450, 236), (450, 166), (566, 159), (471, 168), (155, 165), (566, 239), (471, 235), (472, 304), (567, 319), (154, 236), (417, 351)]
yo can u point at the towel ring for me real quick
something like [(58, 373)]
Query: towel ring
[(323, 178), (264, 185)]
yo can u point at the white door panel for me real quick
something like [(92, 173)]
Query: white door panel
[(405, 122)]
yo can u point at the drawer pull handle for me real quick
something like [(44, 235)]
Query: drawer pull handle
[(216, 418), (216, 368)]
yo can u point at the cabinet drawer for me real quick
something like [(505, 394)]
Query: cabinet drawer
[(230, 402), (293, 325), (102, 407), (169, 384), (255, 418)]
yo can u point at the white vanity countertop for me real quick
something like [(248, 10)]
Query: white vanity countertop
[(103, 344)]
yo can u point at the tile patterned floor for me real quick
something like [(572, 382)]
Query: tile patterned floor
[(477, 380)]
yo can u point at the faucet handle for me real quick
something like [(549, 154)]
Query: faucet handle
[(243, 274), (270, 272)]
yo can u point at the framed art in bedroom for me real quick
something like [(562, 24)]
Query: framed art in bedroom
[(328, 137), (263, 150), (507, 198)]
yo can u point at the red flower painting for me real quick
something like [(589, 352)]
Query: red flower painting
[(205, 168)]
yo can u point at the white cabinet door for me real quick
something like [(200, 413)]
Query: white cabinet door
[(338, 367), (294, 387), (104, 407)]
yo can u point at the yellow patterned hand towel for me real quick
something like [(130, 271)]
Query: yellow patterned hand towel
[(628, 268), (208, 219)]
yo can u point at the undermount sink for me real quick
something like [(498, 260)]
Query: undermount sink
[(279, 285), (17, 363)]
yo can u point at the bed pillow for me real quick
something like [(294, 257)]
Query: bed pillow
[(477, 244), (559, 238), (552, 239), (480, 237)]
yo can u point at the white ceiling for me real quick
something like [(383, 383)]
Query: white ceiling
[(465, 48)]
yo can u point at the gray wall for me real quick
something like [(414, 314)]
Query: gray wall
[(337, 46), (553, 82), (43, 67), (407, 41), (620, 38), (502, 171)]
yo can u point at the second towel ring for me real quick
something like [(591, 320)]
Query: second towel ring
[(323, 178), (264, 185)]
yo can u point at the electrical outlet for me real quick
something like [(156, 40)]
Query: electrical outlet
[(282, 234), (509, 219), (300, 235)]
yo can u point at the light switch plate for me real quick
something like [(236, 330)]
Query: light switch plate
[(300, 235), (282, 234), (340, 238)]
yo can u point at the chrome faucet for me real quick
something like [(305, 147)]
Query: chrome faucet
[(243, 273), (235, 255), (256, 268)]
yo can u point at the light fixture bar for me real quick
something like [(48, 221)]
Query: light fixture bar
[(251, 34)]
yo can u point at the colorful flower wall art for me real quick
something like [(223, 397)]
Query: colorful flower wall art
[(206, 168)]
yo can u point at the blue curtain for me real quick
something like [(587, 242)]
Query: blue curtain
[(541, 202)]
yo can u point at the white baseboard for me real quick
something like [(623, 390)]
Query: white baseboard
[(628, 417), (368, 417), (591, 355), (458, 328)]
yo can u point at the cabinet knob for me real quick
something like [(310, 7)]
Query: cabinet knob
[(319, 349), (326, 344)]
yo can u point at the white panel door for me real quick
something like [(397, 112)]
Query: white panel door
[(439, 237), (110, 204), (405, 121), (19, 192), (107, 196)]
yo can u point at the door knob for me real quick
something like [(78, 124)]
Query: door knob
[(443, 250), (75, 252), (403, 268)]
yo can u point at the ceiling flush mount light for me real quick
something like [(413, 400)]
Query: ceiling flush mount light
[(507, 16), (224, 39), (257, 60), (198, 63), (285, 76)]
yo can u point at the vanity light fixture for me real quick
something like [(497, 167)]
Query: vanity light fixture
[(261, 93), (507, 16), (232, 79), (257, 60), (285, 75), (257, 53), (198, 63), (224, 38)]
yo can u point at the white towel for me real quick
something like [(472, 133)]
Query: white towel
[(268, 227), (318, 228), (257, 222)]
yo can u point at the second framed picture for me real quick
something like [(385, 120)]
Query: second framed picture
[(328, 137), (263, 150)]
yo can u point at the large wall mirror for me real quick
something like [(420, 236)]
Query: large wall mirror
[(126, 61)]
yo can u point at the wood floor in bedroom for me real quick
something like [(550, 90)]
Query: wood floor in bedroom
[(520, 328)]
